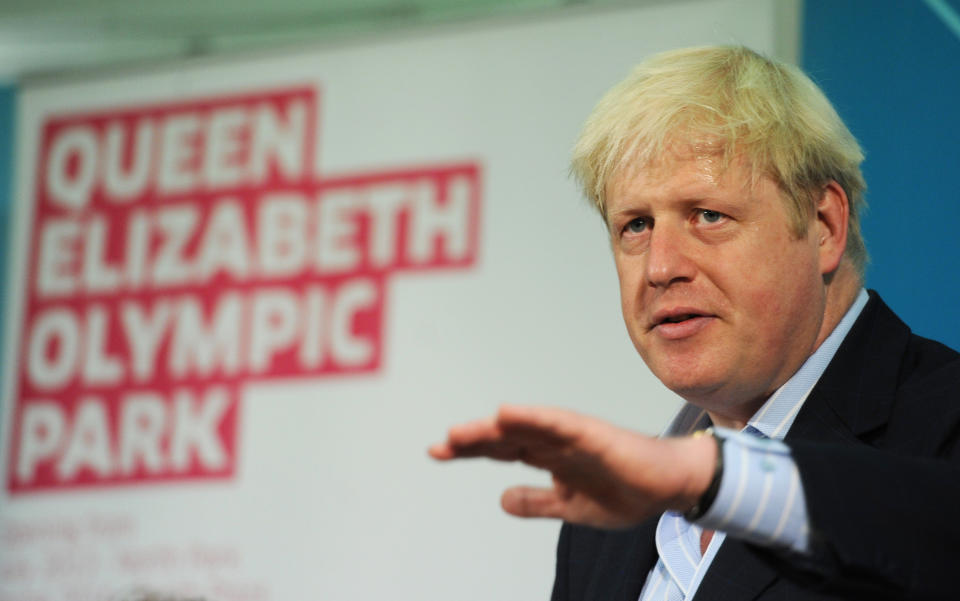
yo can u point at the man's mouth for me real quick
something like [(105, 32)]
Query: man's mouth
[(679, 318), (679, 322)]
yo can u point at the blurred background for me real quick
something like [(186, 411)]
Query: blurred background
[(449, 120)]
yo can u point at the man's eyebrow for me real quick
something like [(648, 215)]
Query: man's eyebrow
[(628, 210), (686, 201), (625, 212)]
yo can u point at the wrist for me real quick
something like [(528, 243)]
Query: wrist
[(705, 470)]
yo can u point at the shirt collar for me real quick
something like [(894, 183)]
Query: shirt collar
[(775, 417)]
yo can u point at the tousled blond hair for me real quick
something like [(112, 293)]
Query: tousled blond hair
[(736, 103)]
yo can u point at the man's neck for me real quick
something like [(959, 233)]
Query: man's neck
[(841, 292)]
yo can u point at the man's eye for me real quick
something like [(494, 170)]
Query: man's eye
[(709, 216), (636, 226)]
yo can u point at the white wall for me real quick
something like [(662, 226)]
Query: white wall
[(333, 496)]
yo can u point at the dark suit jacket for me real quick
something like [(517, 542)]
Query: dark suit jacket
[(877, 444)]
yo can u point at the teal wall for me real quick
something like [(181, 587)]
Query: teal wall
[(892, 69)]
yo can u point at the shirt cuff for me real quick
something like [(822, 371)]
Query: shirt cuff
[(761, 497)]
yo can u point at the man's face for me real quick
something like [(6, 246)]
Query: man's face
[(721, 299)]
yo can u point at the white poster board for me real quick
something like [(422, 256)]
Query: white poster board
[(251, 292)]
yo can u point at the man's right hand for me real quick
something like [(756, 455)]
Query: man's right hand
[(603, 476)]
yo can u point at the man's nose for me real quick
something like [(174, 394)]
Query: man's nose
[(669, 255)]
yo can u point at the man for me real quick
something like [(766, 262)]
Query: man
[(731, 189)]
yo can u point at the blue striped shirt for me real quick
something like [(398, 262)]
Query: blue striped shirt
[(760, 497)]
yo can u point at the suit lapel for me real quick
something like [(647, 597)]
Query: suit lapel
[(626, 558), (736, 574), (854, 397)]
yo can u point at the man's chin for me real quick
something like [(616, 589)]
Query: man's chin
[(732, 406), (698, 394), (697, 389)]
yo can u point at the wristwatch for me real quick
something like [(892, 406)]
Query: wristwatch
[(703, 504)]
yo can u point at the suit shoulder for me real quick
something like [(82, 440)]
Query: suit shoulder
[(925, 358)]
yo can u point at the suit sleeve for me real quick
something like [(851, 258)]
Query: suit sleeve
[(561, 580), (885, 516), (880, 522)]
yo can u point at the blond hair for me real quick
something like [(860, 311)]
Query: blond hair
[(734, 102)]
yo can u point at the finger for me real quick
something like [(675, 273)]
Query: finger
[(481, 430), (501, 451), (481, 438), (464, 437), (544, 424), (441, 451), (531, 502), (535, 435)]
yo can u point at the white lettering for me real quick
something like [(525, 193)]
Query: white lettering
[(99, 367), (282, 232), (88, 444), (169, 266), (98, 275), (142, 426), (41, 429), (196, 349), (224, 245), (151, 434), (281, 143), (144, 335), (127, 182), (273, 326), (72, 167), (450, 222), (336, 249), (179, 152), (138, 243), (57, 257), (386, 204), (346, 346), (54, 348), (222, 166), (316, 319), (195, 433)]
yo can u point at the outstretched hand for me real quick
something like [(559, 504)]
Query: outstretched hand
[(603, 476)]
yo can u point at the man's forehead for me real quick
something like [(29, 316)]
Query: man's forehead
[(687, 171)]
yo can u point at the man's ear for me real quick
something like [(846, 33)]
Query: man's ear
[(833, 216)]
